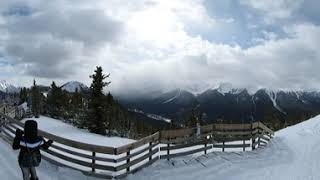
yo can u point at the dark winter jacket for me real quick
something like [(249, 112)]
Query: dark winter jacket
[(30, 141)]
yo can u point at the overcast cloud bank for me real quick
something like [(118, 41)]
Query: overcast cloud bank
[(152, 45)]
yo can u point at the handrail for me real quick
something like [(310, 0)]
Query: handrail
[(125, 148), (72, 143), (264, 127)]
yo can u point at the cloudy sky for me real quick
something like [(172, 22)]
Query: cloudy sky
[(150, 45)]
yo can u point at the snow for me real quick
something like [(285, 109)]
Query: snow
[(10, 170), (24, 106), (68, 131), (273, 98), (225, 88), (157, 117), (174, 97), (6, 87), (152, 116), (73, 85), (45, 94), (292, 154)]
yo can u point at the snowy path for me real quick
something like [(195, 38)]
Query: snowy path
[(292, 155)]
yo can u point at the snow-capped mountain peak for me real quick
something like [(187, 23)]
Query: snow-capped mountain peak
[(171, 99), (73, 85), (225, 88), (6, 87)]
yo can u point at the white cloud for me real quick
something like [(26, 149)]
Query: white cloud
[(290, 63), (155, 45), (274, 10)]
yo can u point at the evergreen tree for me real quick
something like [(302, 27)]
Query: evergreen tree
[(76, 100), (77, 106), (23, 95), (192, 119), (97, 121), (35, 100), (54, 102), (21, 98)]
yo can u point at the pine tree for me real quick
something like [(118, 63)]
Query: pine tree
[(77, 106), (35, 100), (23, 95), (54, 102), (76, 100), (97, 121), (192, 119)]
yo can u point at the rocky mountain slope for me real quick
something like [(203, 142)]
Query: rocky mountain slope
[(277, 108)]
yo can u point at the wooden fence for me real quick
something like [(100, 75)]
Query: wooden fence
[(223, 136), (117, 162)]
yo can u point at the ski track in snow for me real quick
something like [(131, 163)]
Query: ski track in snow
[(171, 99), (293, 154)]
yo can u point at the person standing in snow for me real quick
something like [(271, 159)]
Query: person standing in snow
[(29, 144)]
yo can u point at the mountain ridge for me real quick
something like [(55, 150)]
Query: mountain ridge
[(232, 105)]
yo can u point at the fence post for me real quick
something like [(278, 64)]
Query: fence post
[(205, 148), (168, 151), (253, 137), (259, 137), (223, 146), (212, 133), (128, 161), (1, 123), (150, 150), (93, 161), (244, 144)]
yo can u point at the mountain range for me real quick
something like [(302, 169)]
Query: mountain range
[(5, 87), (71, 86), (277, 108), (231, 105)]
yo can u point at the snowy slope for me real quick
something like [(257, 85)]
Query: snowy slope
[(171, 99), (291, 155), (273, 98), (68, 131), (6, 87), (225, 88), (73, 85), (152, 116)]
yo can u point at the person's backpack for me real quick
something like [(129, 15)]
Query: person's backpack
[(30, 158)]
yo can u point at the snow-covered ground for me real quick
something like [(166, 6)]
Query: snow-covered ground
[(68, 131), (152, 116), (292, 155), (10, 170)]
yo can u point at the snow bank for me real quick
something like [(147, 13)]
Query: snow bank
[(68, 131)]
